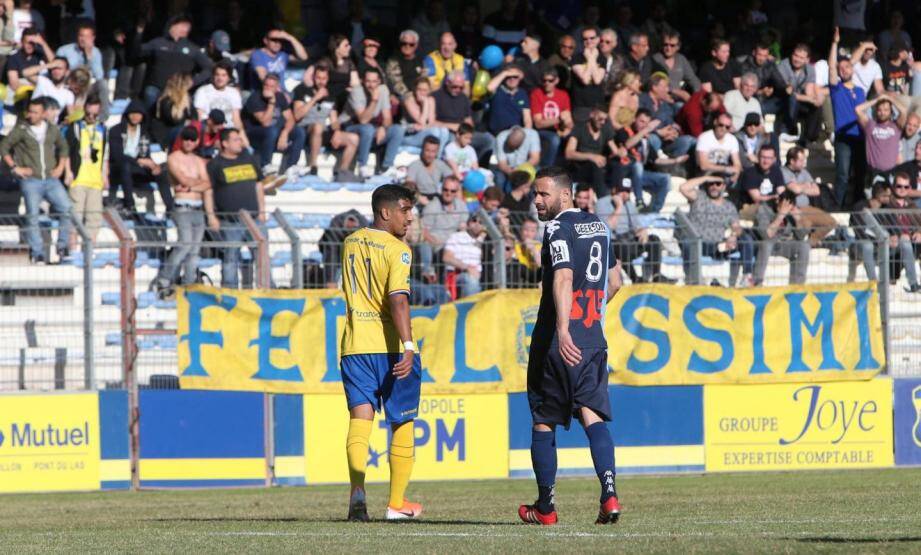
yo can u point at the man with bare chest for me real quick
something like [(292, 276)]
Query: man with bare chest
[(188, 176)]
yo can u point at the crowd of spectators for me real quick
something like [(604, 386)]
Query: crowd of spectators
[(611, 93)]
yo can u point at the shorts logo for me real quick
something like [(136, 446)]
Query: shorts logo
[(592, 229), (559, 252), (405, 258)]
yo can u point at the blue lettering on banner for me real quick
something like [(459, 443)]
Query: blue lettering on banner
[(197, 337), (866, 362), (462, 372), (907, 424), (333, 309), (760, 302), (721, 337), (446, 440), (266, 342), (659, 338), (824, 319), (829, 414), (25, 435)]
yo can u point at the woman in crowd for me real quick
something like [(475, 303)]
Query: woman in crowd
[(626, 99), (173, 110), (419, 117)]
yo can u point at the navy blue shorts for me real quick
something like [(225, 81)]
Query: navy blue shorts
[(369, 379), (557, 391)]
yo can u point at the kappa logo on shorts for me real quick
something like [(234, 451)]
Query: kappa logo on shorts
[(559, 252), (591, 229)]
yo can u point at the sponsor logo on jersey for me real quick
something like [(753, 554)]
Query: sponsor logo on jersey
[(405, 258), (591, 229), (559, 252)]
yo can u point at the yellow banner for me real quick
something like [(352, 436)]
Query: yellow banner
[(796, 426), (288, 341), (457, 437), (49, 442), (667, 335)]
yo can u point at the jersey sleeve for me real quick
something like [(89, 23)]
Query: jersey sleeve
[(400, 260), (558, 236)]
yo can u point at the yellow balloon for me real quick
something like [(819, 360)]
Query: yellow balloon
[(23, 92), (480, 81), (526, 167)]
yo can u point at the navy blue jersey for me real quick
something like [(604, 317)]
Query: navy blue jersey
[(580, 242)]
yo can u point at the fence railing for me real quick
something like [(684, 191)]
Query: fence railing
[(83, 320)]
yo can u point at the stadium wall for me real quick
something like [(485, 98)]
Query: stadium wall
[(79, 441)]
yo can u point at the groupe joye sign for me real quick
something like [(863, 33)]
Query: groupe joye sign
[(288, 341)]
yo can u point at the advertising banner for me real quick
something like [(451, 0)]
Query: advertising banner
[(797, 426), (288, 341), (458, 437), (49, 442), (907, 399)]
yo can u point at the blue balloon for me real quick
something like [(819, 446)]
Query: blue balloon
[(491, 57), (474, 182)]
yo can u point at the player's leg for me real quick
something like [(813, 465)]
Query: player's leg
[(401, 405), (590, 396), (360, 382), (548, 400), (602, 448)]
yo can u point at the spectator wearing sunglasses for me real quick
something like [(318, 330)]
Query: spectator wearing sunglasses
[(904, 227), (718, 150), (404, 67), (273, 57), (682, 79), (561, 60), (552, 115), (588, 75)]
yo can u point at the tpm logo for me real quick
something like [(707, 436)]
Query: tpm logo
[(446, 439)]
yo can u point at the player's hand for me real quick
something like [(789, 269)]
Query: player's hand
[(405, 366), (568, 350)]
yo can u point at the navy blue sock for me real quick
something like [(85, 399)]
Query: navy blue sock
[(602, 446), (543, 460)]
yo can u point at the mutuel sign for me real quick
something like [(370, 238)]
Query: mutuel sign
[(792, 426), (49, 442)]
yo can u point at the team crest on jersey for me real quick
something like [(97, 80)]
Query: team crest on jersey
[(405, 258), (559, 252), (523, 335), (552, 226), (591, 229)]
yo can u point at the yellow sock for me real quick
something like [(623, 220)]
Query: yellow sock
[(356, 447), (401, 462)]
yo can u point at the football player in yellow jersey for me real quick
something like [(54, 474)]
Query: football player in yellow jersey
[(375, 278)]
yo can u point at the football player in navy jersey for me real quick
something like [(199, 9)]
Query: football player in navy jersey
[(568, 363)]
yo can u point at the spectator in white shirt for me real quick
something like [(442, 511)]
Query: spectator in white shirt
[(463, 253), (868, 75), (219, 94), (742, 101)]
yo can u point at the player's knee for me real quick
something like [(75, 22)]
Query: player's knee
[(542, 428)]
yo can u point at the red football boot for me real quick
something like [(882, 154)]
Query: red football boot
[(609, 511), (530, 515)]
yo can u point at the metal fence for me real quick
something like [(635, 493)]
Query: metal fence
[(99, 308)]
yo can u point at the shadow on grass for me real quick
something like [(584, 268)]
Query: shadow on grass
[(829, 539), (336, 521)]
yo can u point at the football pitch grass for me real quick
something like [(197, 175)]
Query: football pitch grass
[(855, 511)]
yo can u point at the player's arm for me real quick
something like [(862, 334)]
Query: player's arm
[(615, 281), (562, 299), (399, 311), (398, 297)]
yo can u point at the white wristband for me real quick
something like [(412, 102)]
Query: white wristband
[(409, 346)]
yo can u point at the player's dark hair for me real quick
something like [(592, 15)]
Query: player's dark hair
[(583, 187), (464, 128), (879, 188), (493, 193), (431, 140), (389, 194), (188, 133), (901, 176), (767, 146), (559, 176)]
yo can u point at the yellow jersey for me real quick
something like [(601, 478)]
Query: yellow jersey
[(375, 265)]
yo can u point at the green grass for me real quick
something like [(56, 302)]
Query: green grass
[(857, 511)]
